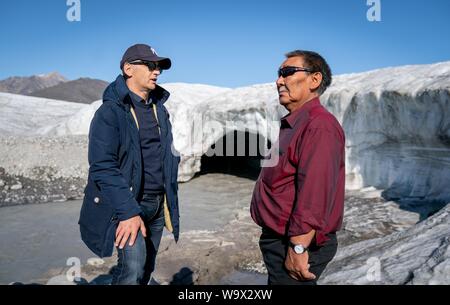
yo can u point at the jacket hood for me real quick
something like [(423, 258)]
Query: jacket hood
[(118, 92)]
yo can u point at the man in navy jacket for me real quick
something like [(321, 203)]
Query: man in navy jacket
[(131, 192)]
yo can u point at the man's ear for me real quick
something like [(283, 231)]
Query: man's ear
[(316, 81), (127, 70)]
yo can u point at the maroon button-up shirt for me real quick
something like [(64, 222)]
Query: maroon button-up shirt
[(305, 189)]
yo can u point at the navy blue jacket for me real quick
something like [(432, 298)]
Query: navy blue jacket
[(115, 168)]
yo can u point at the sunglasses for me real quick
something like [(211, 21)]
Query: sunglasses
[(151, 65), (288, 71)]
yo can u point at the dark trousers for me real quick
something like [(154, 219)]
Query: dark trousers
[(274, 249), (136, 263)]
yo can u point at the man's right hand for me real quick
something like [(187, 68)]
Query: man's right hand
[(129, 229)]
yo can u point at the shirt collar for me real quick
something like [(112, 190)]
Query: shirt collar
[(291, 119), (139, 101)]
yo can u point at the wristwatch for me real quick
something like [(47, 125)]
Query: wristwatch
[(299, 249)]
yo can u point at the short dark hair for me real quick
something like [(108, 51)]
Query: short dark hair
[(317, 63)]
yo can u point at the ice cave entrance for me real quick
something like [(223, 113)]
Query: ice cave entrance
[(237, 153)]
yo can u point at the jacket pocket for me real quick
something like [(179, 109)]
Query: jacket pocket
[(97, 223)]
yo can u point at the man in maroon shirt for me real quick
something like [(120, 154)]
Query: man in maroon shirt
[(299, 202)]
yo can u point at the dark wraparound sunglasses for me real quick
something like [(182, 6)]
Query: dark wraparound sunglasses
[(288, 71), (151, 65)]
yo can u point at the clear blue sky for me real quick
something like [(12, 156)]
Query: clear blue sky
[(226, 43)]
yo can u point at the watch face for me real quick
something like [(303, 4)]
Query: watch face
[(299, 249)]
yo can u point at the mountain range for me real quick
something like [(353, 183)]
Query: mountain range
[(55, 86), (82, 90), (27, 85)]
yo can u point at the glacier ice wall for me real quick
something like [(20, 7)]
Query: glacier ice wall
[(396, 120), (25, 115), (397, 125)]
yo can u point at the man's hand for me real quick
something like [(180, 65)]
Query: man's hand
[(297, 265), (129, 229)]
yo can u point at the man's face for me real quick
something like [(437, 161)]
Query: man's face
[(142, 77), (296, 89)]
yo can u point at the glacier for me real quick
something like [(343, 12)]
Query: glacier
[(397, 127), (396, 121), (417, 256), (24, 115)]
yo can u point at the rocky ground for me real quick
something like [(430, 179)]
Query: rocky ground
[(418, 256), (219, 243), (231, 255), (40, 170)]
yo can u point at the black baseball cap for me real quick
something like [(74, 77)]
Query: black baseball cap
[(146, 53)]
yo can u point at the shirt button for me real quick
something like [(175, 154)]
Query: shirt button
[(131, 188), (96, 200)]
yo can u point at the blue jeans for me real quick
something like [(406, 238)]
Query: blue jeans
[(136, 263)]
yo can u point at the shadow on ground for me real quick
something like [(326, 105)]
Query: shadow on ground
[(422, 206)]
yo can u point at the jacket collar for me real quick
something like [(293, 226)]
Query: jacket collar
[(118, 92)]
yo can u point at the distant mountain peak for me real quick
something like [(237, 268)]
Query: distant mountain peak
[(54, 75), (29, 84), (82, 90)]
